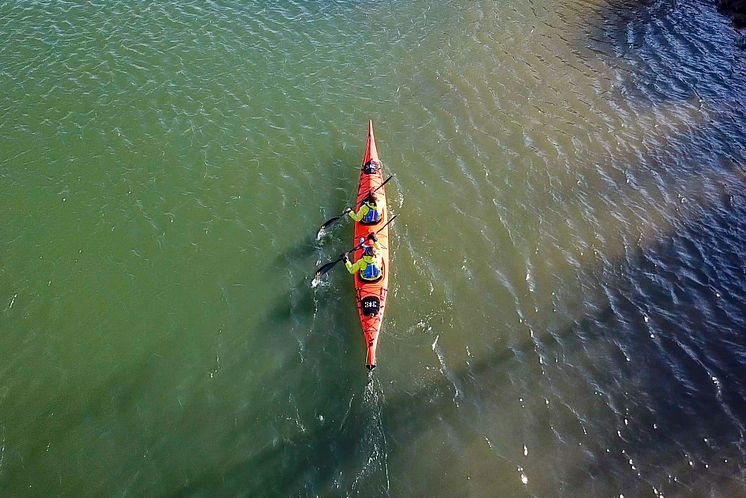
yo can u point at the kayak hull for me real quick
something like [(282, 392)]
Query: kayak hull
[(371, 296)]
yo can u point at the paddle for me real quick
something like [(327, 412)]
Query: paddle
[(328, 266), (332, 221)]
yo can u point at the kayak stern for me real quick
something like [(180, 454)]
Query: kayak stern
[(371, 337)]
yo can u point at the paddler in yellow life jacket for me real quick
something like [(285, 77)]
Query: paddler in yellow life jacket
[(369, 213), (370, 265)]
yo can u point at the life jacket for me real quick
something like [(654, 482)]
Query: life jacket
[(371, 271), (372, 216)]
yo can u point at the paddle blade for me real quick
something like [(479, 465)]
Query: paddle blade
[(324, 269), (329, 222), (316, 281), (323, 229)]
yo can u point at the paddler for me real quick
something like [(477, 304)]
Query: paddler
[(369, 213), (370, 265)]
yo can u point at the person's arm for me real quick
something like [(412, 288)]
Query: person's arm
[(352, 268), (359, 216)]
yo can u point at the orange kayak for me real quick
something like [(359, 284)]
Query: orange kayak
[(371, 296)]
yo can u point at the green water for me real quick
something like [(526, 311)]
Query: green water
[(563, 173)]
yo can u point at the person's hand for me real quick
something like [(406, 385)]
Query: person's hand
[(346, 258), (347, 210), (373, 237)]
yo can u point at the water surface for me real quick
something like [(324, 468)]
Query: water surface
[(567, 298)]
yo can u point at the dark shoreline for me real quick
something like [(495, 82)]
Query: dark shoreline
[(736, 9)]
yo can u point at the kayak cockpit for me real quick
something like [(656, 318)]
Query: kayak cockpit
[(371, 167)]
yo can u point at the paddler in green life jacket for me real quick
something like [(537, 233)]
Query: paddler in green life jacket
[(369, 213), (370, 265)]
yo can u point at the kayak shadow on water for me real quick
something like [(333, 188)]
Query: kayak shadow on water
[(300, 251), (298, 303)]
